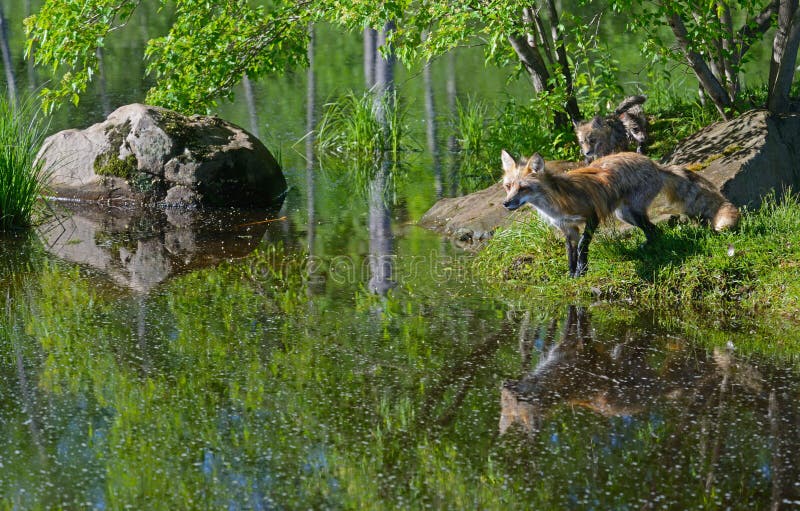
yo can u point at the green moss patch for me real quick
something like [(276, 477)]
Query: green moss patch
[(201, 136), (109, 163), (696, 167)]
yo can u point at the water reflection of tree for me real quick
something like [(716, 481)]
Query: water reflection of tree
[(381, 238), (8, 62)]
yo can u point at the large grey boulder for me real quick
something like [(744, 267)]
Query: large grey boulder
[(150, 155), (747, 157)]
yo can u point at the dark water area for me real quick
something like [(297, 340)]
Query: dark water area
[(333, 355)]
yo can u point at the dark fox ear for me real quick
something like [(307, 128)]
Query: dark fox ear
[(597, 122), (509, 163), (536, 163), (576, 124)]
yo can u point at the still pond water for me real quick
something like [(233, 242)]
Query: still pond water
[(331, 354)]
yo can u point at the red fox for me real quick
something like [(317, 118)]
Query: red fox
[(624, 184), (614, 133)]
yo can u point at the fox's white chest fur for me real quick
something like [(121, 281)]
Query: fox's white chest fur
[(552, 215)]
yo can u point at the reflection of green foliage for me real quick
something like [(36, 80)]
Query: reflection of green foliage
[(235, 385)]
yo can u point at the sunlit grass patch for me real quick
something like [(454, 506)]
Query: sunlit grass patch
[(688, 264)]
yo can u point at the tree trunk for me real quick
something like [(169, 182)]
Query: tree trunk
[(381, 239), (30, 64), (532, 61), (370, 44), (252, 110), (573, 111), (384, 75), (8, 63), (102, 83), (431, 130), (452, 108), (529, 52), (784, 55), (315, 278), (710, 84)]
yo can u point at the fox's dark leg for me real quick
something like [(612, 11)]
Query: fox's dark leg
[(638, 219), (583, 245), (571, 234), (572, 256), (644, 223)]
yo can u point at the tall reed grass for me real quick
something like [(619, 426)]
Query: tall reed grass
[(350, 128), (22, 178)]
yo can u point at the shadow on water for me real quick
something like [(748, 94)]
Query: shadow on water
[(141, 248), (699, 407)]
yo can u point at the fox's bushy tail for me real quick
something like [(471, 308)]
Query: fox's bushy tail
[(628, 103), (699, 197)]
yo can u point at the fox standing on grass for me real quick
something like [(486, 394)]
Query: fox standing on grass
[(614, 133), (624, 184)]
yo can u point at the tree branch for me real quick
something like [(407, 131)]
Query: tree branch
[(558, 42), (532, 61), (710, 84), (750, 31)]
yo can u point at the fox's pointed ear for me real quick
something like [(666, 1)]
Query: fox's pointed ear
[(597, 122), (576, 124), (536, 163), (509, 163)]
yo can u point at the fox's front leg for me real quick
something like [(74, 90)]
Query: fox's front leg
[(572, 256), (571, 235), (583, 245)]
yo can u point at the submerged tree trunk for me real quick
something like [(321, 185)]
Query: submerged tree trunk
[(370, 45), (381, 239), (102, 85), (311, 122), (252, 111), (8, 63), (384, 76), (431, 130)]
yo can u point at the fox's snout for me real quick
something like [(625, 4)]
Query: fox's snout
[(511, 204)]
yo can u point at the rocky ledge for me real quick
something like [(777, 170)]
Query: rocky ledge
[(747, 158)]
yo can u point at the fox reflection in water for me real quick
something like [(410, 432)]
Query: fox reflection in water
[(647, 375), (611, 379)]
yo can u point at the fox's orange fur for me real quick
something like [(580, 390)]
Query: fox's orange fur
[(623, 184)]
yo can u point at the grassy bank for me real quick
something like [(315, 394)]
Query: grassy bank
[(22, 131), (754, 269)]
